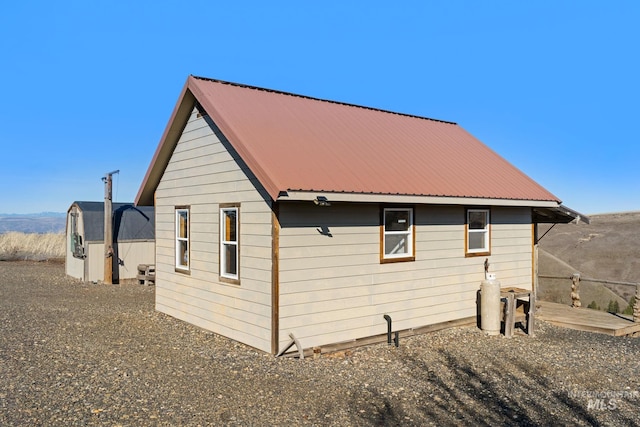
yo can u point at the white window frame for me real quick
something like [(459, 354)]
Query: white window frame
[(486, 231), (409, 255), (223, 243), (180, 265)]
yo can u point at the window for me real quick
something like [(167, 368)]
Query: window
[(397, 235), (229, 243), (478, 235), (182, 239)]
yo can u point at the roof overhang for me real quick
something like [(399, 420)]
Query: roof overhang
[(558, 215), (309, 196)]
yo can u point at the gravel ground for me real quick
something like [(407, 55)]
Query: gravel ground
[(73, 353)]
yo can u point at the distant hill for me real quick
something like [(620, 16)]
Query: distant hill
[(45, 222), (607, 249)]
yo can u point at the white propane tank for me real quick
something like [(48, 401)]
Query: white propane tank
[(490, 305)]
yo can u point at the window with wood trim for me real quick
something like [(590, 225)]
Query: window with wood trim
[(478, 237), (182, 238), (229, 242), (397, 235)]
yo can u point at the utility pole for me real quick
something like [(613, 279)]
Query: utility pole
[(108, 228)]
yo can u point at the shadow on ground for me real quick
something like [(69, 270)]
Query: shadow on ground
[(453, 394)]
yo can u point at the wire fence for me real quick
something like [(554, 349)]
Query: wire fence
[(575, 289)]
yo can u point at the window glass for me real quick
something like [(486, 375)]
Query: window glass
[(396, 220), (231, 265), (230, 226), (476, 241), (477, 220), (396, 244), (183, 217)]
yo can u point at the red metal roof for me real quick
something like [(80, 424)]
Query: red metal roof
[(297, 143)]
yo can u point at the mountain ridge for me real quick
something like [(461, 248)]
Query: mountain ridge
[(36, 214), (40, 223)]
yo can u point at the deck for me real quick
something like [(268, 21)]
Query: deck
[(585, 319)]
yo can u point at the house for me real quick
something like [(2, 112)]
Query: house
[(282, 214), (133, 240)]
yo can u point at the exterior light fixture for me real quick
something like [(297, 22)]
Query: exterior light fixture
[(321, 201)]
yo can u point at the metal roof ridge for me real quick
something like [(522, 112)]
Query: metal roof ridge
[(347, 104)]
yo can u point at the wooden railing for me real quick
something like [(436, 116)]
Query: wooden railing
[(575, 290)]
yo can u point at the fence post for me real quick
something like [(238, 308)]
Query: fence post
[(575, 293), (636, 305)]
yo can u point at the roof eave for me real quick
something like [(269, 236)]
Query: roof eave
[(309, 196), (560, 214)]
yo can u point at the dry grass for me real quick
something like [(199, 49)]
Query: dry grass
[(31, 246)]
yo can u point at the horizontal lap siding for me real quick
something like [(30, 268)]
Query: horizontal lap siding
[(511, 246), (202, 174), (333, 288), (132, 254)]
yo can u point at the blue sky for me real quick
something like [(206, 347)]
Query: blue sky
[(87, 87)]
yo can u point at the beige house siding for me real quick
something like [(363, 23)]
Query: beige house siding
[(333, 287), (202, 174), (512, 246)]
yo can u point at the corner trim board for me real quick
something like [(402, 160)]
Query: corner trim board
[(275, 277)]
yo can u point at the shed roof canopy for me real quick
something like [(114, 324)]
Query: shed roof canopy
[(130, 222), (298, 144), (558, 215)]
